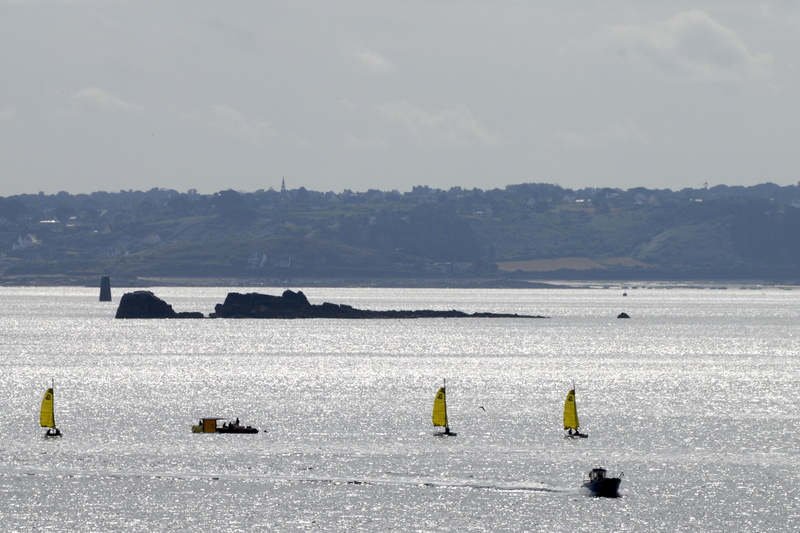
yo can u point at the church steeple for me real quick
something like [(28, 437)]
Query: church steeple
[(284, 194)]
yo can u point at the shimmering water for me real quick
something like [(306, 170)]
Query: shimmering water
[(695, 398)]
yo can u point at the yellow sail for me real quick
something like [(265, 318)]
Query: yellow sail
[(440, 409), (570, 411), (47, 417)]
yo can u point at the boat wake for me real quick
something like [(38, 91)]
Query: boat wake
[(492, 486), (281, 478)]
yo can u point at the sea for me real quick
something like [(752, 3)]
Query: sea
[(694, 400)]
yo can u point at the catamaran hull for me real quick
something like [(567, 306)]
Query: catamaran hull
[(581, 436), (607, 488)]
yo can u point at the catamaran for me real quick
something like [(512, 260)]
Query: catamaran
[(571, 416), (47, 416), (439, 416)]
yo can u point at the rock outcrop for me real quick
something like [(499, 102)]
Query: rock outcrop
[(145, 304), (295, 305)]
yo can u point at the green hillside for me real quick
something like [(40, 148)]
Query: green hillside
[(541, 230)]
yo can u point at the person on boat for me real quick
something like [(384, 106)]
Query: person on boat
[(237, 421), (570, 431)]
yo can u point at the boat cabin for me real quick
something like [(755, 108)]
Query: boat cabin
[(596, 474), (206, 425)]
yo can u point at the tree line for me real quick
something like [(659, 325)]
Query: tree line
[(722, 231)]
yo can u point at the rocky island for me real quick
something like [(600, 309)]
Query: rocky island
[(291, 304), (145, 304)]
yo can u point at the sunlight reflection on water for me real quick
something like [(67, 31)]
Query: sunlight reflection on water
[(692, 394)]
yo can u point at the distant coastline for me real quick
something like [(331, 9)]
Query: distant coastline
[(442, 283), (529, 235), (94, 281)]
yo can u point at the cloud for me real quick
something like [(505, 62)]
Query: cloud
[(61, 2), (369, 59), (349, 105), (358, 143), (451, 126), (692, 46), (236, 124), (624, 133), (105, 100), (615, 134), (7, 113)]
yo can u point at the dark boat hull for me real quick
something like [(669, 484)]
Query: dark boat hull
[(607, 487), (237, 429)]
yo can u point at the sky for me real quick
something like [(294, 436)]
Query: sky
[(109, 95)]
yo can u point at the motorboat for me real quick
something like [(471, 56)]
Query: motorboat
[(599, 484), (213, 425)]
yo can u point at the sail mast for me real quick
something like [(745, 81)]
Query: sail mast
[(575, 407), (444, 389)]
